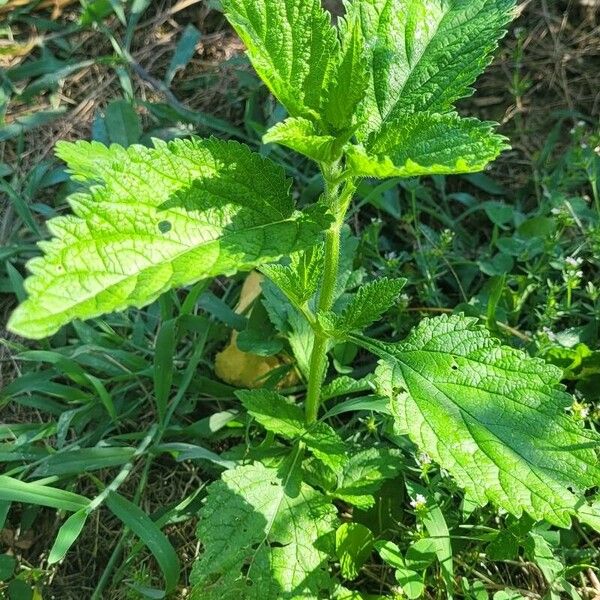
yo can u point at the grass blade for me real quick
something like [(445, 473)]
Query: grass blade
[(67, 536), (145, 528), (14, 490)]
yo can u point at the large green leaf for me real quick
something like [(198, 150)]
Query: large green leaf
[(161, 217), (427, 144), (262, 541), (291, 44), (426, 54), (491, 415)]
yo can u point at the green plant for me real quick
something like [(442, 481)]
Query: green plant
[(373, 98)]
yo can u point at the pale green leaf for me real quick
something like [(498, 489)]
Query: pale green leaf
[(345, 385), (364, 473), (291, 44), (491, 415), (368, 305), (304, 137), (261, 542), (281, 417), (427, 144), (426, 54), (590, 515), (161, 217)]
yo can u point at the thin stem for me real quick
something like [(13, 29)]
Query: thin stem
[(318, 363), (338, 204)]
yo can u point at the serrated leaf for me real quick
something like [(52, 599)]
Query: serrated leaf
[(491, 415), (163, 217), (368, 305), (344, 386), (364, 473), (427, 144), (426, 54), (276, 414), (300, 279), (291, 44), (303, 136), (260, 543), (351, 77)]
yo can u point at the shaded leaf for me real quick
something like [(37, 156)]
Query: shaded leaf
[(260, 543), (364, 473), (276, 414)]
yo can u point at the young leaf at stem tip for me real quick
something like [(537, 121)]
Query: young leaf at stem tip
[(425, 54), (300, 279), (291, 44)]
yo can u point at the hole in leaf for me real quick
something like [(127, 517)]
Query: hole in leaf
[(165, 226)]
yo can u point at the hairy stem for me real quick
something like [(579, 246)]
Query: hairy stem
[(338, 203)]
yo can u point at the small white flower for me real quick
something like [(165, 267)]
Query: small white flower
[(424, 459), (391, 255), (573, 262), (580, 410), (419, 502)]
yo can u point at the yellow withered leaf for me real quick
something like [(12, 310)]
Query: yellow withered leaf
[(244, 369)]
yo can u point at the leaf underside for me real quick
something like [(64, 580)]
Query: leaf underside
[(156, 218), (260, 542), (490, 415)]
